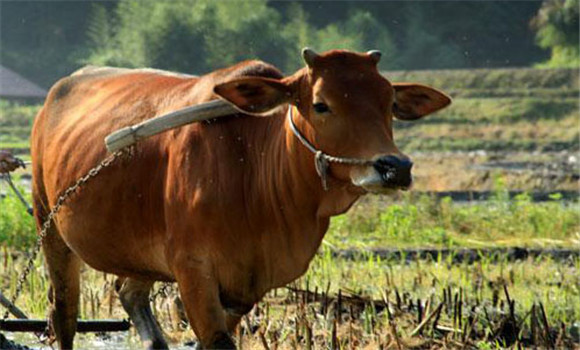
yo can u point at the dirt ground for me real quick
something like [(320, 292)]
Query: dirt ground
[(484, 171)]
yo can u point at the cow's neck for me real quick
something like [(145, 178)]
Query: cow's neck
[(339, 196), (301, 206)]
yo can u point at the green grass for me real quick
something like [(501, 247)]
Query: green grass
[(427, 222), (15, 144), (540, 279), (15, 124), (513, 93), (17, 229), (506, 110), (15, 133), (496, 110), (554, 284), (16, 114)]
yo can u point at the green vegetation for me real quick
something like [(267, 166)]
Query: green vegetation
[(427, 222), (15, 115), (553, 283), (497, 79), (219, 34), (508, 110), (15, 124), (197, 36), (557, 24), (17, 229)]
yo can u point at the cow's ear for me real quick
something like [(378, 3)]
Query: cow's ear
[(254, 95), (414, 101)]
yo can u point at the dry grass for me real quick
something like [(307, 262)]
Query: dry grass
[(374, 304)]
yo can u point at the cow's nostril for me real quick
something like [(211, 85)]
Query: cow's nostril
[(394, 171), (392, 162)]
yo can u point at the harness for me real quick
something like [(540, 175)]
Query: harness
[(322, 160)]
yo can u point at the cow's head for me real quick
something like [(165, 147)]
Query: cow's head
[(349, 107)]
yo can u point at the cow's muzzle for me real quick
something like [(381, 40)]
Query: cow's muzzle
[(395, 172), (385, 175)]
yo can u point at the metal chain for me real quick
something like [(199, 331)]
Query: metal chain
[(47, 224)]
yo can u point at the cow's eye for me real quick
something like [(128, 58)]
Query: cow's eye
[(320, 107)]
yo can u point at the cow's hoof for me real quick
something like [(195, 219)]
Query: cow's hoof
[(194, 344), (158, 344), (223, 341)]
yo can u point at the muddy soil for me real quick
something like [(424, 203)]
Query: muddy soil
[(486, 171)]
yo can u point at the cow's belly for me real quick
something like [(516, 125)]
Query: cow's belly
[(115, 241)]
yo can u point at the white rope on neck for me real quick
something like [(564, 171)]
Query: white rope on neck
[(322, 160)]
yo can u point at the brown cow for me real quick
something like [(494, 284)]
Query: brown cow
[(228, 209)]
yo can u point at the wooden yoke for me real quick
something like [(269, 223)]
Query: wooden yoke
[(132, 134)]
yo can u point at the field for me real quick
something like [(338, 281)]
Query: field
[(508, 130), (346, 303)]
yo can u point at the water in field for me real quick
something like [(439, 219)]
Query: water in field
[(117, 341)]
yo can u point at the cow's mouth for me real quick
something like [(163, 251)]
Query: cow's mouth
[(381, 178), (375, 184)]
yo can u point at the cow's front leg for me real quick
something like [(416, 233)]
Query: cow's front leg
[(232, 321), (235, 310), (200, 295)]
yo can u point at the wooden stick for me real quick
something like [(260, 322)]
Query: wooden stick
[(13, 309), (426, 320), (82, 326)]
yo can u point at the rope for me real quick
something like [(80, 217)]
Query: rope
[(321, 159)]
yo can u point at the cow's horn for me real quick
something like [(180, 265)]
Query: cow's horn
[(375, 55), (197, 113), (309, 55)]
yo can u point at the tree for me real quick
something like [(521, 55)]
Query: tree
[(188, 36), (423, 49), (557, 29), (198, 36)]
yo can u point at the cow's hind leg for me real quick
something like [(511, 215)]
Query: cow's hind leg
[(64, 271), (134, 295)]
